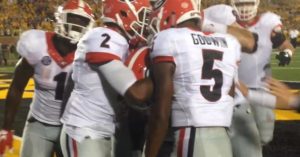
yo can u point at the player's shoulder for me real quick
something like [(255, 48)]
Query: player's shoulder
[(168, 31), (270, 18), (220, 13), (270, 14), (219, 8), (169, 34), (32, 37), (31, 42), (163, 36), (103, 32)]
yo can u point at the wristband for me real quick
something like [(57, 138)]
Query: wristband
[(261, 98)]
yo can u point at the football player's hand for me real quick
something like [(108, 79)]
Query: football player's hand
[(284, 57), (285, 98), (6, 140)]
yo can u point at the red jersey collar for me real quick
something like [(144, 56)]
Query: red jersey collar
[(61, 61)]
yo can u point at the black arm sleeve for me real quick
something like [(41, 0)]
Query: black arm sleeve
[(278, 39)]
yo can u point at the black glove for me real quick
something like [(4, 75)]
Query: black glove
[(284, 58)]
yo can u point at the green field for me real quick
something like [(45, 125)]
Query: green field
[(287, 73)]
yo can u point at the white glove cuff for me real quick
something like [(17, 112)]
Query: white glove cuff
[(261, 98), (118, 75)]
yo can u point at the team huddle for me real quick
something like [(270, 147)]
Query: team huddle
[(180, 80)]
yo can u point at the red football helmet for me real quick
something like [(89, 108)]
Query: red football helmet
[(138, 61), (169, 13), (130, 15), (73, 19)]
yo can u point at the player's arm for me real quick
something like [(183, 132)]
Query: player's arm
[(161, 108), (284, 95), (247, 39), (22, 74), (278, 97), (123, 80), (279, 40), (286, 50)]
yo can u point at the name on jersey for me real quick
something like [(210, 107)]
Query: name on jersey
[(199, 39)]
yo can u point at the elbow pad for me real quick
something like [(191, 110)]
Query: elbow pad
[(278, 39), (118, 75)]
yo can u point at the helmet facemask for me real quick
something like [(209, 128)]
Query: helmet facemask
[(245, 9), (131, 16), (73, 24), (139, 27)]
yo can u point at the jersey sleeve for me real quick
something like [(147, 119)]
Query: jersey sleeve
[(28, 45), (102, 45), (221, 13), (236, 48), (272, 21), (163, 48)]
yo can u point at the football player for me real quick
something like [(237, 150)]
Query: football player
[(47, 57), (258, 120), (100, 77), (193, 75), (212, 22)]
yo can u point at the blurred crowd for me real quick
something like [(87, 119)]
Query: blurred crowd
[(19, 15)]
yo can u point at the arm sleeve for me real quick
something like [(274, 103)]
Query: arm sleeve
[(163, 48), (118, 75)]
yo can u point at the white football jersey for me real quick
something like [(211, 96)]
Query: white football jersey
[(90, 106), (50, 73), (258, 63), (206, 65)]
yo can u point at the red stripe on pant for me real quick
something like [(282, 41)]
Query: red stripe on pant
[(75, 151), (180, 142)]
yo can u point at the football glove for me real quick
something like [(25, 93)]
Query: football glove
[(284, 57), (6, 140)]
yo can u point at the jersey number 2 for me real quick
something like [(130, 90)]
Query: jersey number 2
[(104, 42), (59, 90), (209, 57)]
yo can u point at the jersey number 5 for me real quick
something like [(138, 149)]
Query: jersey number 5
[(209, 57)]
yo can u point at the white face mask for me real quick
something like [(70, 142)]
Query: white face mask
[(70, 30), (245, 9)]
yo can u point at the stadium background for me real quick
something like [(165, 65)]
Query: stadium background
[(17, 16)]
